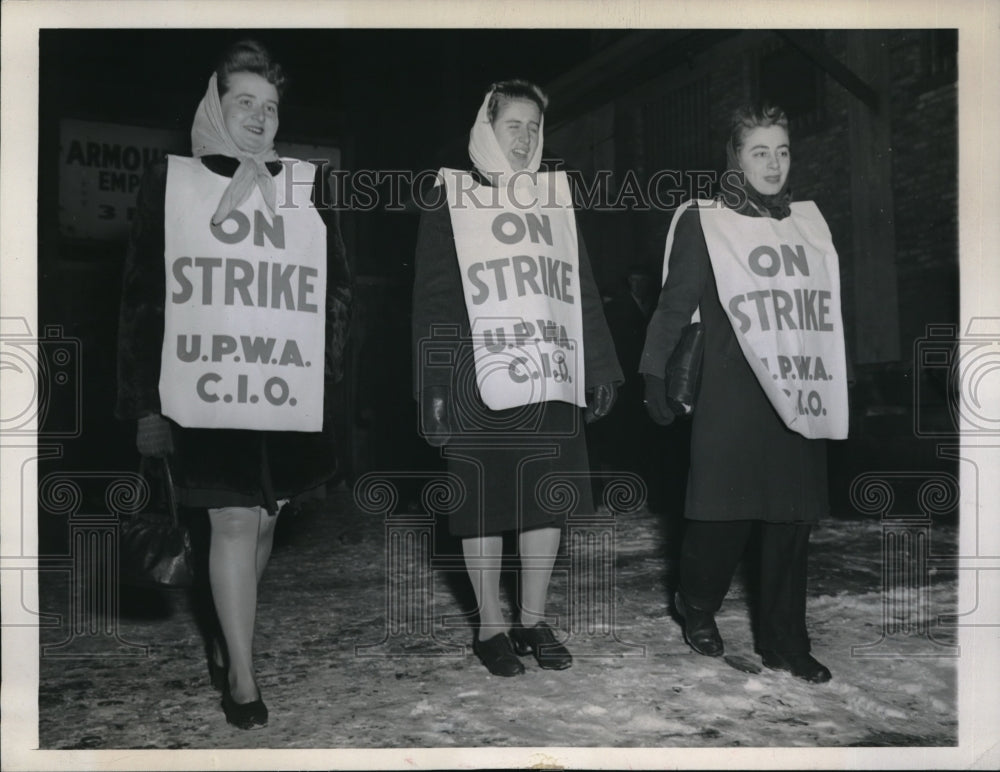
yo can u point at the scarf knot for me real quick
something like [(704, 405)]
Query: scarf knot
[(209, 136)]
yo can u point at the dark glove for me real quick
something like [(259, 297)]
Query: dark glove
[(655, 400), (600, 401), (434, 410), (153, 437)]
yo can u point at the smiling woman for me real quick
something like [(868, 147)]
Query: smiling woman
[(250, 110), (763, 272), (765, 159), (516, 118), (245, 429), (533, 328)]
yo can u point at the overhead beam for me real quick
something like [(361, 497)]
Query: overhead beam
[(598, 79), (610, 63), (833, 67), (639, 56)]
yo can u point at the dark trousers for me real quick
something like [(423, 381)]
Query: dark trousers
[(709, 556)]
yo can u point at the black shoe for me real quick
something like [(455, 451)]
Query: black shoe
[(700, 630), (541, 641), (498, 656), (244, 715), (801, 665)]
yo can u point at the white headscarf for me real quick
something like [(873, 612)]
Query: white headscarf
[(485, 152), (209, 136)]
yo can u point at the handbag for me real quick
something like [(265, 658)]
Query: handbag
[(683, 371), (154, 546)]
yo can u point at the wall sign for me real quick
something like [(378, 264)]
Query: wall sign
[(100, 166)]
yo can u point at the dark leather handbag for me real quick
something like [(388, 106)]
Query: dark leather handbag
[(154, 546), (683, 372)]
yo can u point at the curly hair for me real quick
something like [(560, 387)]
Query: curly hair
[(249, 56), (508, 90)]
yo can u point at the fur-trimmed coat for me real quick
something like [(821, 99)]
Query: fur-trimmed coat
[(221, 467)]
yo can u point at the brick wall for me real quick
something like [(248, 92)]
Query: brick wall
[(923, 115), (923, 123), (925, 181)]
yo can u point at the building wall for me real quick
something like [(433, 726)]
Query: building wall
[(923, 117), (922, 103), (925, 178)]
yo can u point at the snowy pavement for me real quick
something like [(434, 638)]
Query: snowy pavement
[(326, 593)]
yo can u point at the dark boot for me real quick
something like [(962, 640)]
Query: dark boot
[(700, 630)]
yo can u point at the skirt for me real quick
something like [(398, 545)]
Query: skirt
[(519, 469)]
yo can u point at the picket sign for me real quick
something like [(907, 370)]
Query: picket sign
[(519, 258), (245, 309), (779, 282)]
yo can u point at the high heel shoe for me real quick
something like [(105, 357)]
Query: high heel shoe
[(244, 715), (541, 641)]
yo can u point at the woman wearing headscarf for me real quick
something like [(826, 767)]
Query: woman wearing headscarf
[(235, 307), (510, 342), (763, 274)]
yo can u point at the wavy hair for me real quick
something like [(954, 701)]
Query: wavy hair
[(745, 119), (249, 56)]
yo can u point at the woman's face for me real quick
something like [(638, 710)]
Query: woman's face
[(516, 129), (250, 111), (765, 158)]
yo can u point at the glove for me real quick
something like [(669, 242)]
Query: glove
[(600, 401), (655, 400), (434, 409), (153, 437)]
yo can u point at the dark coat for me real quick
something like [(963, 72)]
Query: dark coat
[(502, 456), (745, 463), (221, 467), (618, 435)]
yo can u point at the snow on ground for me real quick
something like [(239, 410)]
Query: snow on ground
[(325, 593)]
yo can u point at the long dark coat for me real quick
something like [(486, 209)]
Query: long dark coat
[(745, 463), (221, 467), (507, 460)]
